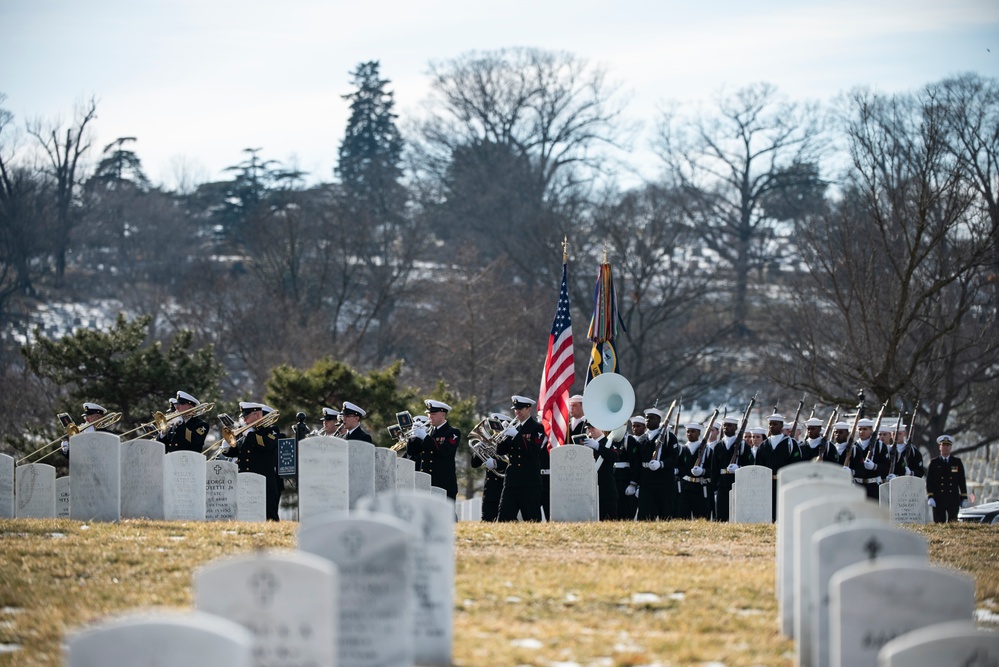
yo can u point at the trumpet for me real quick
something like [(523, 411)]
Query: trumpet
[(72, 428), (161, 422), (231, 435)]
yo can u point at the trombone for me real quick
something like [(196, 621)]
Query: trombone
[(161, 422), (72, 428), (231, 435)]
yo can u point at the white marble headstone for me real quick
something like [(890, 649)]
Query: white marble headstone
[(221, 490), (361, 462), (95, 476), (432, 559), (907, 499), (161, 638), (752, 497), (405, 474), (872, 603), (792, 495), (6, 487), (142, 479), (954, 644), (573, 484), (842, 545), (809, 518), (385, 467), (422, 482), (35, 493), (884, 495), (251, 497), (371, 552), (62, 497), (287, 600), (821, 471), (476, 511), (323, 476), (184, 486)]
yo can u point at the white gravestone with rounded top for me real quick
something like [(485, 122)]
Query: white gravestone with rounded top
[(385, 467), (907, 499), (422, 482), (361, 462), (405, 474), (752, 496), (95, 476), (251, 497), (62, 497), (221, 490), (142, 479), (323, 476), (35, 493), (184, 486), (573, 484), (953, 644), (6, 487)]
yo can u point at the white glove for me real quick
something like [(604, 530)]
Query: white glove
[(65, 446), (964, 503), (655, 465), (490, 463), (908, 472), (869, 465), (848, 468), (419, 433), (732, 467), (931, 502), (697, 471), (637, 491), (676, 471), (592, 444), (890, 477), (631, 490), (510, 432)]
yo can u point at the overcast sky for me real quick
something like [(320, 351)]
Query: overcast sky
[(197, 81)]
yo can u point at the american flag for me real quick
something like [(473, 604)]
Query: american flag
[(560, 373)]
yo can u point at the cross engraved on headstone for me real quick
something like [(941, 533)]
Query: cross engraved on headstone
[(403, 510), (352, 541), (218, 469), (571, 454), (873, 547), (264, 585), (845, 516)]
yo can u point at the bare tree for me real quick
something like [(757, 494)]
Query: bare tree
[(736, 165), (64, 150)]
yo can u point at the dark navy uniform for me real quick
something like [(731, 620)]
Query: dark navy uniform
[(722, 457), (876, 452), (656, 488), (627, 505), (908, 463), (946, 485), (607, 453), (775, 453), (257, 452), (694, 490), (186, 436), (522, 488), (492, 488), (359, 434), (435, 454)]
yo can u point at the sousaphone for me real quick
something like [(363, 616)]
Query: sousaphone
[(608, 401)]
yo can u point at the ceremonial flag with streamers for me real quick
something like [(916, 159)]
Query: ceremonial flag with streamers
[(560, 372), (603, 326)]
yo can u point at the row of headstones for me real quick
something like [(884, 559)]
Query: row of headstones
[(110, 480), (369, 587), (854, 589)]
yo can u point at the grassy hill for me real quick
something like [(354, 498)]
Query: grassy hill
[(608, 595)]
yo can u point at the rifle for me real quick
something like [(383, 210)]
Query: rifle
[(826, 433), (874, 433), (664, 426), (703, 447), (853, 429), (893, 452), (737, 445), (679, 409), (797, 414)]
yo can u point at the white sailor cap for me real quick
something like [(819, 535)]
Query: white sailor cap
[(757, 430), (638, 420), (436, 406), (173, 401), (352, 409), (576, 398), (187, 398), (266, 409), (776, 417), (421, 419), (500, 416), (731, 420), (653, 411), (945, 438), (886, 428), (694, 426), (814, 421), (522, 401), (330, 413), (93, 409), (249, 406), (869, 423), (841, 426)]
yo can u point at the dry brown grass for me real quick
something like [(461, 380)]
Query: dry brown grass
[(680, 593)]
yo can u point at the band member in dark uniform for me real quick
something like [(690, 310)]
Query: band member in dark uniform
[(185, 434), (946, 487), (433, 449), (606, 454), (331, 422), (627, 503), (869, 461), (653, 466), (777, 451), (91, 413), (351, 416), (695, 478), (728, 456), (493, 486), (256, 451), (523, 444)]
